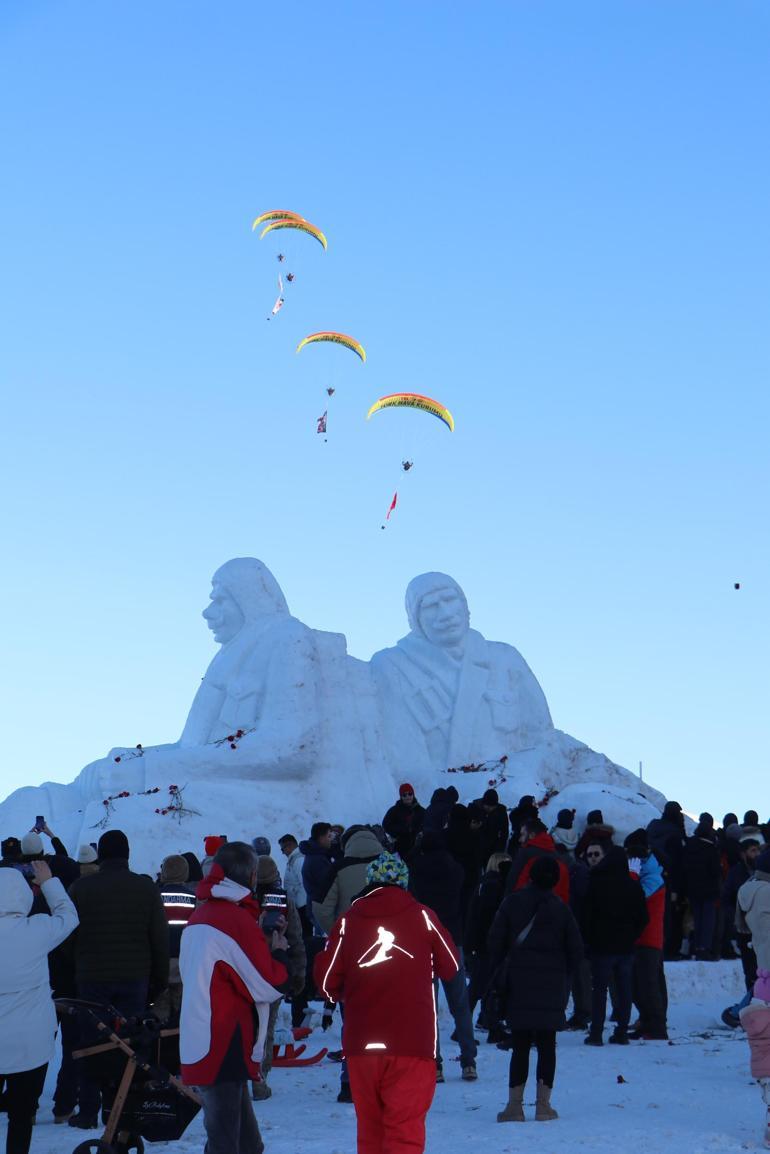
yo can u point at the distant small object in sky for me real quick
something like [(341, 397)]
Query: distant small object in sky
[(737, 585)]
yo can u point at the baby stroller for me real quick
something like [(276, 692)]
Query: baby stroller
[(130, 1061)]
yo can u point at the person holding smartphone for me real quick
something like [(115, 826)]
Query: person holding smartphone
[(26, 1008)]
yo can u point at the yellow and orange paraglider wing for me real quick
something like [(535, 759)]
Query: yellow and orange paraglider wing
[(275, 214), (335, 339), (414, 401), (298, 223)]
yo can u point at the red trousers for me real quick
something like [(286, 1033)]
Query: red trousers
[(391, 1097)]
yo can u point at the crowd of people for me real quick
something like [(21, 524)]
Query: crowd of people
[(514, 920)]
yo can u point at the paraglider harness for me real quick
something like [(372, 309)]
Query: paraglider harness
[(130, 1061)]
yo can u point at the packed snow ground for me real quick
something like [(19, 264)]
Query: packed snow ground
[(693, 1096)]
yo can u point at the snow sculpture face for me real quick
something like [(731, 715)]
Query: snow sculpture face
[(243, 591), (223, 615), (437, 609)]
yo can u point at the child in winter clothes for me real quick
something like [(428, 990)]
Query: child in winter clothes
[(755, 1019)]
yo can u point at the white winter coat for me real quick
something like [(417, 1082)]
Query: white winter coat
[(27, 1014), (292, 879)]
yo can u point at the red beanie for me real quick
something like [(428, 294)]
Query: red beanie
[(405, 788), (213, 843)]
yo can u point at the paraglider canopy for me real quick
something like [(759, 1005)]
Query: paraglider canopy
[(335, 339), (414, 401)]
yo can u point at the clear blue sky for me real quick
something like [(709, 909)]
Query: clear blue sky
[(552, 216)]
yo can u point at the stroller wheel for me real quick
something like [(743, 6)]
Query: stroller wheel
[(129, 1142)]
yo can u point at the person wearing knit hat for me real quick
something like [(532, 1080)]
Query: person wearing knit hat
[(493, 836), (113, 846), (32, 845), (380, 960), (261, 846), (536, 941), (178, 897), (87, 860), (269, 882), (404, 820), (564, 832), (60, 864), (174, 870), (121, 947), (388, 869)]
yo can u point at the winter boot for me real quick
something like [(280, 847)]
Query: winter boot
[(514, 1111), (260, 1091), (544, 1111)]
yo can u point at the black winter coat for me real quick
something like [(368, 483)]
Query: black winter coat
[(123, 931), (494, 833), (402, 823), (436, 880), (318, 870), (483, 906), (702, 869), (536, 972), (666, 839), (614, 908)]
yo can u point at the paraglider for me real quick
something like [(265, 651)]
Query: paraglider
[(336, 339), (275, 214), (300, 225), (281, 258), (414, 401)]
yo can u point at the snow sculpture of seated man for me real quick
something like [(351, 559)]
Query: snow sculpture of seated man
[(448, 697)]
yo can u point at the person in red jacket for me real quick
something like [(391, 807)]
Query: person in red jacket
[(535, 841), (380, 960), (650, 991), (229, 970)]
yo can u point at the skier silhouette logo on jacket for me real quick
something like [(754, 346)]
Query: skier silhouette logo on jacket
[(386, 941)]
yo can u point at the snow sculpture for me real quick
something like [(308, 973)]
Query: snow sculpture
[(286, 728), (264, 679), (448, 696)]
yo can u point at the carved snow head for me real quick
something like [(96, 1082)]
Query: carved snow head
[(437, 609), (242, 591)]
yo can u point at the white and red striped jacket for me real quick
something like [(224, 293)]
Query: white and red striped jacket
[(380, 960), (229, 980)]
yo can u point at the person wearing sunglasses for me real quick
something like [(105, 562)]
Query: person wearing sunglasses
[(404, 820), (614, 915)]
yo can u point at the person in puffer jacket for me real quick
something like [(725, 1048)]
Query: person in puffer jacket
[(231, 974), (755, 1019), (650, 991)]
